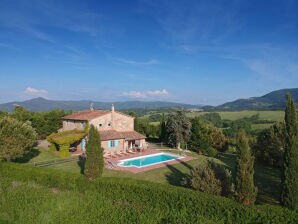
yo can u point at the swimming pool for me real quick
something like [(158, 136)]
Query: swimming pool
[(143, 161)]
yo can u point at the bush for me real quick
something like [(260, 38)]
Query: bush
[(210, 151), (64, 151), (53, 147), (203, 179), (116, 200), (212, 178), (62, 140)]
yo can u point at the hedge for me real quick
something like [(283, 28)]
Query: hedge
[(120, 200), (62, 140), (67, 137)]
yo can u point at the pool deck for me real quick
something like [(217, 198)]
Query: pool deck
[(132, 169)]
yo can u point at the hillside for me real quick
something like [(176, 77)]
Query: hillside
[(271, 101), (41, 104), (73, 199)]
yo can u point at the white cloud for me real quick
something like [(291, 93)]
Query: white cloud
[(146, 94), (132, 62), (32, 91)]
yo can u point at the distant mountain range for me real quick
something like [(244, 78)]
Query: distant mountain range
[(41, 104), (271, 101)]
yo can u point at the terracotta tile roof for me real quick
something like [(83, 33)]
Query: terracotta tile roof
[(127, 135), (86, 115)]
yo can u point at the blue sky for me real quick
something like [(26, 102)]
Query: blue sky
[(201, 51)]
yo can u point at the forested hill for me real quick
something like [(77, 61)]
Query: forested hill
[(270, 101), (41, 104)]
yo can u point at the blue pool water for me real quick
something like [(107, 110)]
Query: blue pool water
[(148, 160)]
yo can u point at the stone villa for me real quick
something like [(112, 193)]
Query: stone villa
[(116, 129)]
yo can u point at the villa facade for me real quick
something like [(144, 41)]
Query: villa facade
[(116, 129)]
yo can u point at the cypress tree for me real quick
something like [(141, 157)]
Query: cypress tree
[(246, 191), (162, 128), (94, 155), (289, 195)]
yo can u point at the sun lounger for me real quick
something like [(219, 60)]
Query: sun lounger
[(119, 153), (107, 155), (111, 165)]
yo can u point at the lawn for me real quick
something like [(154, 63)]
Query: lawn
[(267, 178), (38, 154)]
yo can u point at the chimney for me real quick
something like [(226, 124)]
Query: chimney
[(113, 108), (91, 107)]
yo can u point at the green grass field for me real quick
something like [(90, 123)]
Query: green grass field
[(235, 115), (265, 177), (274, 116)]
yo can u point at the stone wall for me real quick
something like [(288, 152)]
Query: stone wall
[(71, 125), (123, 122), (114, 121), (120, 147), (103, 122)]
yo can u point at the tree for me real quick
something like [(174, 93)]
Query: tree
[(246, 191), (94, 155), (16, 138), (270, 145), (213, 118), (44, 123), (206, 138), (289, 195), (162, 128), (177, 129), (290, 119)]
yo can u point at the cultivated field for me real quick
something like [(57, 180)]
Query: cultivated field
[(235, 115), (274, 116)]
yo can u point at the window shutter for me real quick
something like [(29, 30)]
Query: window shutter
[(116, 143)]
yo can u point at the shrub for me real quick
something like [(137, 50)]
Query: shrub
[(62, 140), (64, 151), (203, 179), (209, 151), (53, 147), (212, 178)]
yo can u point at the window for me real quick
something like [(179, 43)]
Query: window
[(113, 143), (100, 125), (109, 124), (83, 125)]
